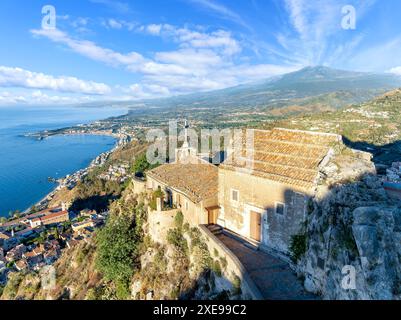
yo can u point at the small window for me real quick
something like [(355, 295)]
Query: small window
[(280, 208), (186, 205), (234, 195)]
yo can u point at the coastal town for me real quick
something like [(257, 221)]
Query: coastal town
[(38, 239)]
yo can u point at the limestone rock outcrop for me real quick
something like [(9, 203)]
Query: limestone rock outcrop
[(353, 233)]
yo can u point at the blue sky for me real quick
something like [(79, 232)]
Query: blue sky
[(123, 50)]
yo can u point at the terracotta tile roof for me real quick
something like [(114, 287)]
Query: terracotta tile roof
[(38, 250), (31, 254), (196, 181), (287, 156), (21, 265), (54, 215), (4, 235)]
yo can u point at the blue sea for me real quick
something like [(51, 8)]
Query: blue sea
[(26, 163)]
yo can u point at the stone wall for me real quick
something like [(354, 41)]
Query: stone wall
[(234, 266), (159, 223), (194, 213), (261, 195), (139, 186)]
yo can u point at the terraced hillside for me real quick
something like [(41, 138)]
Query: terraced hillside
[(376, 122), (373, 126)]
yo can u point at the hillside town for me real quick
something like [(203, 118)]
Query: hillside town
[(38, 239)]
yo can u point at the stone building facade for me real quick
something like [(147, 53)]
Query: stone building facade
[(265, 202)]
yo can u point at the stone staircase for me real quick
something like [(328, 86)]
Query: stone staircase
[(218, 230), (215, 229)]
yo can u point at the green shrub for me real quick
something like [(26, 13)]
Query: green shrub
[(186, 227), (122, 289), (179, 220), (156, 194), (298, 246), (216, 268), (216, 253), (347, 240), (223, 262), (94, 294), (176, 238), (175, 293), (117, 249), (141, 165), (236, 282)]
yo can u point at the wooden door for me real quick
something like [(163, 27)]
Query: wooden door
[(256, 221), (213, 216)]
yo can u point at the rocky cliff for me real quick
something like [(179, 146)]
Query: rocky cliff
[(352, 234), (177, 266)]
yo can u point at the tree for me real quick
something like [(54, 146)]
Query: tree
[(34, 209), (15, 214), (141, 165), (117, 246)]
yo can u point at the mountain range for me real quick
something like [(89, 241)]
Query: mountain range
[(312, 87)]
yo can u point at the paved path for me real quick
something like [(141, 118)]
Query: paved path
[(273, 277)]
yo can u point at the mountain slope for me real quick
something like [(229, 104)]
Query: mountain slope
[(286, 90), (373, 126)]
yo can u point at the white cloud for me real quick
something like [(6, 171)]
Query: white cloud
[(80, 22), (192, 58), (90, 49), (221, 10), (154, 29), (115, 24), (118, 24), (396, 70), (296, 10), (38, 97), (144, 91), (202, 61), (219, 40), (17, 77), (319, 38)]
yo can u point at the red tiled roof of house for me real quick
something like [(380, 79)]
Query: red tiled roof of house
[(21, 264), (31, 254), (5, 235), (39, 250), (196, 181), (54, 215)]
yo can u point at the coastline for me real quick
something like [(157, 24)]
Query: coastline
[(72, 179)]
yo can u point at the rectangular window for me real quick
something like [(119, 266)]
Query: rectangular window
[(186, 205), (234, 195), (280, 208)]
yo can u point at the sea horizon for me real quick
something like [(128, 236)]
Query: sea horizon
[(26, 163)]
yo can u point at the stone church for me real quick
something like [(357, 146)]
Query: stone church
[(265, 205)]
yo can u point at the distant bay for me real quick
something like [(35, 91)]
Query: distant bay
[(26, 163)]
